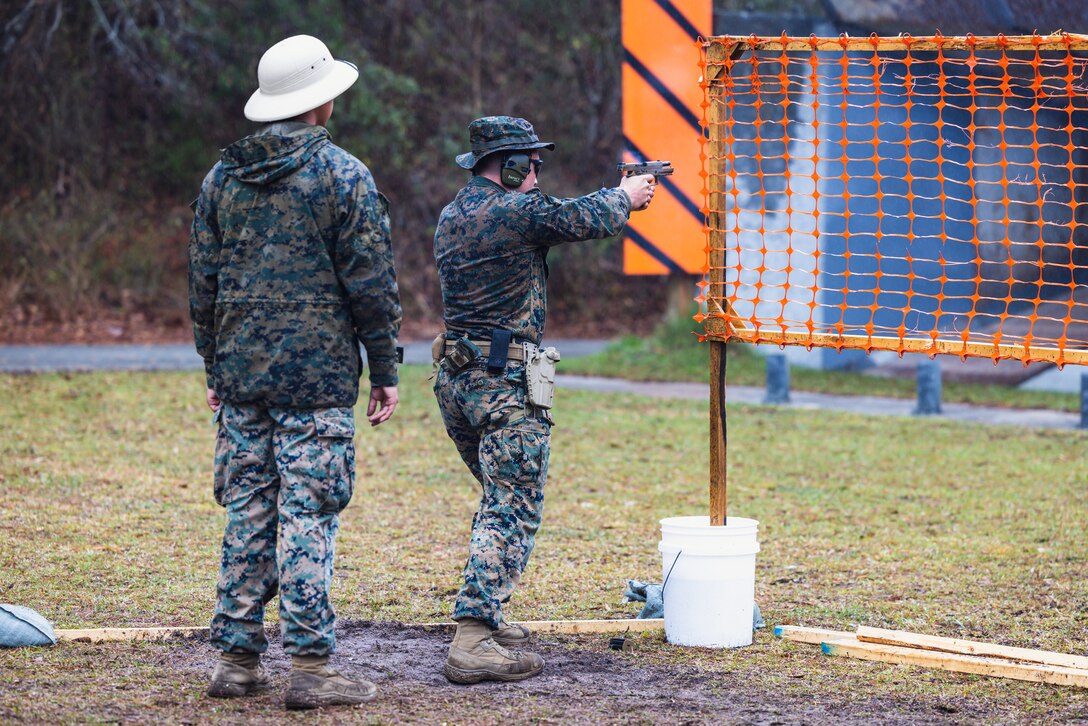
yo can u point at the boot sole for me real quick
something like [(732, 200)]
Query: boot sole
[(235, 690), (299, 701), (460, 675)]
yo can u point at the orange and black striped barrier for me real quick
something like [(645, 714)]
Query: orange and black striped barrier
[(661, 120)]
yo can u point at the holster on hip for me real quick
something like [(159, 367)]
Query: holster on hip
[(540, 375)]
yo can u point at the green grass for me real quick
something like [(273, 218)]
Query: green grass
[(673, 353), (107, 519)]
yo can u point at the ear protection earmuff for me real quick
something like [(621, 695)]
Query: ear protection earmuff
[(515, 168)]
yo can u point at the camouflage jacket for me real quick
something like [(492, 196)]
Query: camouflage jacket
[(491, 246), (290, 267)]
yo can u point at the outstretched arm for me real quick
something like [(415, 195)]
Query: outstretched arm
[(550, 221)]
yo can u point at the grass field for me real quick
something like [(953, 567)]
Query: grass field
[(673, 353), (107, 519)]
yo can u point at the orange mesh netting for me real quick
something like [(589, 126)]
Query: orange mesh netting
[(906, 194)]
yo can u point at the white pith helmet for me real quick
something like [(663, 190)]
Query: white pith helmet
[(296, 75)]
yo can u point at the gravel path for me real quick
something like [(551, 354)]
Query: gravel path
[(179, 356), (56, 358)]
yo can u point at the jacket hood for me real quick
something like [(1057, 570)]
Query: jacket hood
[(276, 151)]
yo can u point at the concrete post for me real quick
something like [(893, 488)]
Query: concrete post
[(929, 388), (778, 379)]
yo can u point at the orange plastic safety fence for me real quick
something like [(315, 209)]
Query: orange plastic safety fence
[(906, 194)]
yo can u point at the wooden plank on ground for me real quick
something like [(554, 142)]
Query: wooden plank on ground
[(812, 636), (104, 635), (959, 663), (968, 647), (572, 627)]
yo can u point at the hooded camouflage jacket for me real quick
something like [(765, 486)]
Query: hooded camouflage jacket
[(491, 246), (290, 267)]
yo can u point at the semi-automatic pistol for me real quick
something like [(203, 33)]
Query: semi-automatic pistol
[(657, 168)]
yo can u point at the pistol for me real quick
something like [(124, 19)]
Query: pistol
[(657, 168)]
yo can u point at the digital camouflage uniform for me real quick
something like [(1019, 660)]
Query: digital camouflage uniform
[(491, 246), (290, 267)]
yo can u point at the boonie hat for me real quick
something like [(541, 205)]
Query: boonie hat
[(296, 75), (499, 133)]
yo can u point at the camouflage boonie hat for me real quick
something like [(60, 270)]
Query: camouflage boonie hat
[(499, 133)]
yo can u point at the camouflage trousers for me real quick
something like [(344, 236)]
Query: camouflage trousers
[(283, 476), (508, 454)]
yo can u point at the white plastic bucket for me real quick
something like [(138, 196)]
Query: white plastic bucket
[(710, 580)]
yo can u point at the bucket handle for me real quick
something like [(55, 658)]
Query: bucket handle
[(668, 575)]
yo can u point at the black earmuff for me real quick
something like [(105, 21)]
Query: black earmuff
[(515, 168)]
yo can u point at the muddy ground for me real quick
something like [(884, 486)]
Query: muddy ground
[(584, 682)]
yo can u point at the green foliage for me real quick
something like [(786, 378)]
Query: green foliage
[(63, 264), (376, 121), (124, 104)]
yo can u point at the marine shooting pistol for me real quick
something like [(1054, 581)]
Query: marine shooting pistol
[(657, 168)]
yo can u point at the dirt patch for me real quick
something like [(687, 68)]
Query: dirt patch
[(770, 682), (584, 682)]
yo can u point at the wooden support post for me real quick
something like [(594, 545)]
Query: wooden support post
[(718, 325), (718, 498)]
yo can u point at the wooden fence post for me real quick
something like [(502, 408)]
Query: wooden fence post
[(717, 327)]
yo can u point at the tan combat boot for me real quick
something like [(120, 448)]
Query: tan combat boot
[(509, 635), (475, 656), (314, 684), (238, 674)]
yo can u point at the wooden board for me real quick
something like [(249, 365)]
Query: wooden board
[(104, 635), (968, 647), (958, 663), (813, 636), (571, 627)]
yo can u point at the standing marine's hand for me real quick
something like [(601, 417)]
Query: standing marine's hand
[(640, 189), (383, 400), (213, 400)]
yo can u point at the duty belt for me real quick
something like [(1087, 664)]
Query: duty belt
[(516, 351)]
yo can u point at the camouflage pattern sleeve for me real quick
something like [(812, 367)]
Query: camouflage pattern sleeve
[(364, 265), (204, 245), (551, 221)]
